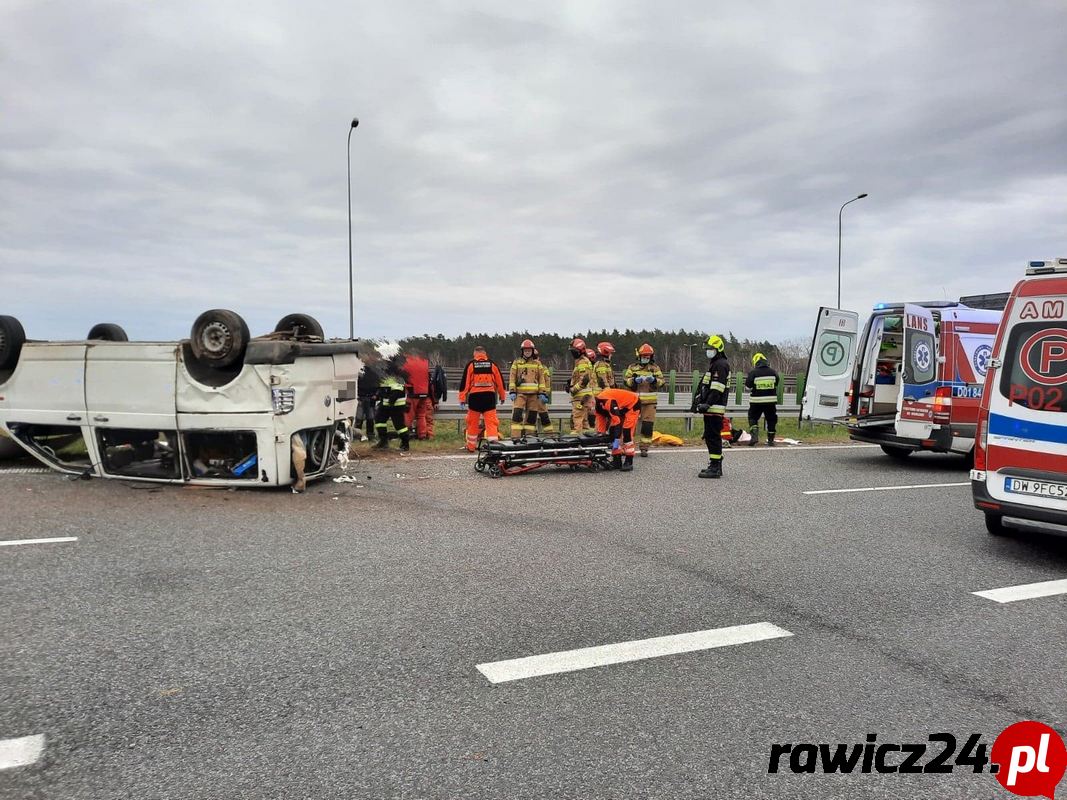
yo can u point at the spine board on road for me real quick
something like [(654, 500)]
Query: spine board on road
[(591, 451)]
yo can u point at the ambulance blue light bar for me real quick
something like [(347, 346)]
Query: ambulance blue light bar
[(1047, 267)]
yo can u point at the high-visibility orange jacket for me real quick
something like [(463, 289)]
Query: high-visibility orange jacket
[(481, 377), (616, 407)]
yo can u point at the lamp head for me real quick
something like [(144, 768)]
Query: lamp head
[(355, 124)]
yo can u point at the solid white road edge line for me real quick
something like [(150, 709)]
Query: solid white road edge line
[(13, 542), (1025, 591), (887, 488), (586, 657), (20, 752), (673, 450)]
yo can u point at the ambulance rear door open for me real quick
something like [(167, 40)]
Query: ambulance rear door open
[(915, 407), (833, 353)]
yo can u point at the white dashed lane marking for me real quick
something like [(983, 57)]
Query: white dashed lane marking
[(888, 488), (1025, 591), (55, 540), (20, 752), (587, 657)]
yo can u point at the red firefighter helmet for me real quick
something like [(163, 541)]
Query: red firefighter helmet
[(590, 353), (527, 344), (646, 350), (605, 349), (578, 344)]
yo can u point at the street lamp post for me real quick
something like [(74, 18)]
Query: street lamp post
[(839, 213), (351, 288)]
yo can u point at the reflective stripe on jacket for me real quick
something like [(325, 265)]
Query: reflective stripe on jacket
[(527, 376), (603, 376), (582, 379), (762, 382), (645, 390), (711, 391), (481, 375)]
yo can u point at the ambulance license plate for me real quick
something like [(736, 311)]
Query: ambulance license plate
[(1038, 488)]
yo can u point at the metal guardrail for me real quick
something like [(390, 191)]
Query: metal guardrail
[(681, 381), (561, 417)]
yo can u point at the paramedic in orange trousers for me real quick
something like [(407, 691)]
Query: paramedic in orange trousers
[(420, 396), (617, 412), (479, 389)]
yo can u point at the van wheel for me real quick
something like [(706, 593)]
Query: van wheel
[(896, 453), (107, 332), (994, 523), (12, 337), (300, 325), (219, 338)]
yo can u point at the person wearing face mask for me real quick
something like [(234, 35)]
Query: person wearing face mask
[(528, 389), (580, 387), (646, 378), (709, 399)]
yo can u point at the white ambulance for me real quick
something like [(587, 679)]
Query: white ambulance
[(219, 408), (911, 379), (1020, 462)]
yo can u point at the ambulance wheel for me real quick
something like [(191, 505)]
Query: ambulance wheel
[(994, 523), (300, 325), (12, 337), (896, 453), (219, 338), (107, 332)]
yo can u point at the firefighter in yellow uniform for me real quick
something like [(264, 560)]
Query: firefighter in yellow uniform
[(646, 378), (527, 390), (580, 387)]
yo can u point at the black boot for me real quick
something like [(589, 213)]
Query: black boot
[(770, 438), (754, 431), (713, 470), (644, 452), (616, 462), (735, 434), (383, 441), (628, 464), (405, 442)]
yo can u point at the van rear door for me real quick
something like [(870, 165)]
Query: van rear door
[(833, 352), (915, 406)]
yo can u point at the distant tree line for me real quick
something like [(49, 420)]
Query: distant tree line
[(680, 350)]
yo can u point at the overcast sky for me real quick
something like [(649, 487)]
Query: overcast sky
[(550, 166)]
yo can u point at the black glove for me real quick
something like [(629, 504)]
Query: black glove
[(703, 408)]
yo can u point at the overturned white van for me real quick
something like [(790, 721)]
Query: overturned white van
[(219, 408)]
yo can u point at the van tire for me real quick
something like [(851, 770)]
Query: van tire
[(303, 324), (219, 338), (107, 332), (12, 337), (994, 523), (896, 453)]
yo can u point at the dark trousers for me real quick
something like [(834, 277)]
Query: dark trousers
[(713, 435), (767, 410), (395, 414), (365, 414)]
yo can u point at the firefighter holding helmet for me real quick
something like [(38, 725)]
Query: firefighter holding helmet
[(580, 387), (709, 399), (528, 390), (762, 384), (646, 378)]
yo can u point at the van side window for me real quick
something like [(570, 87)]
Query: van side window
[(1035, 367), (60, 444), (137, 453)]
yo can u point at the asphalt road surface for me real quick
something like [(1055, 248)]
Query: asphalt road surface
[(216, 644)]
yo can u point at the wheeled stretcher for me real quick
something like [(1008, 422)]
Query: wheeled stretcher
[(589, 451)]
